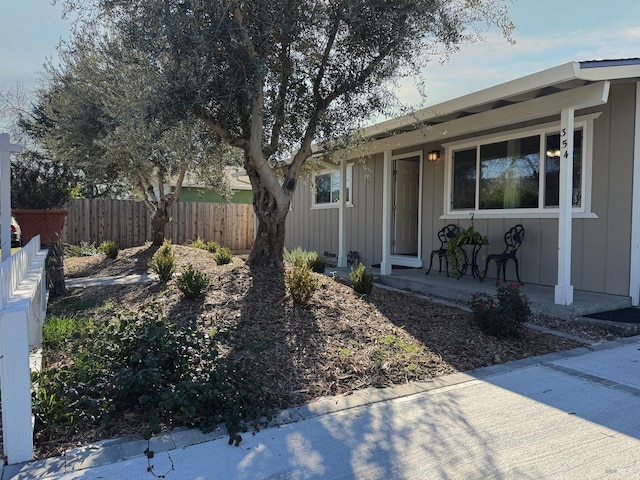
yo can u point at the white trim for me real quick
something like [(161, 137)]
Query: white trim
[(405, 260), (329, 171), (387, 178), (342, 238), (564, 289), (634, 270), (584, 122)]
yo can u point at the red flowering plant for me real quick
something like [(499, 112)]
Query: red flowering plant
[(501, 315)]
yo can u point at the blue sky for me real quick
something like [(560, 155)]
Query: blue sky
[(548, 33)]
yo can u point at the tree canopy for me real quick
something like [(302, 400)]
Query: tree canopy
[(271, 77)]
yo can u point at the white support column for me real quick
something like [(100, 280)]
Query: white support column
[(634, 271), (387, 177), (564, 289), (342, 238), (6, 148)]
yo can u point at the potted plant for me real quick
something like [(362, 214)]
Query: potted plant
[(40, 188), (466, 236)]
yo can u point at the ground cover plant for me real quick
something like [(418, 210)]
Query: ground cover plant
[(243, 350)]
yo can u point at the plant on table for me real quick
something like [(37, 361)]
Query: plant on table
[(466, 236), (502, 315)]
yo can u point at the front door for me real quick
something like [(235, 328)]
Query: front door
[(406, 206)]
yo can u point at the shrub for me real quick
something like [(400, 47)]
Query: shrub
[(300, 283), (109, 248), (199, 243), (164, 261), (85, 249), (317, 264), (361, 279), (502, 315), (298, 256), (223, 255), (212, 247), (191, 282)]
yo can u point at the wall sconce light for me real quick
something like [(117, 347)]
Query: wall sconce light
[(433, 156)]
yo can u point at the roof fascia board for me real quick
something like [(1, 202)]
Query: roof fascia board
[(552, 76), (609, 73), (577, 98)]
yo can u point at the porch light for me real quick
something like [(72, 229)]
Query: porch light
[(433, 156)]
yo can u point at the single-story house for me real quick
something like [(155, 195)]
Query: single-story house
[(194, 190), (557, 151)]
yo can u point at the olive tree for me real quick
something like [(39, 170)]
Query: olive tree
[(273, 77), (94, 115)]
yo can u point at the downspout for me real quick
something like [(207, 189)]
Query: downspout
[(564, 289), (634, 270), (342, 238)]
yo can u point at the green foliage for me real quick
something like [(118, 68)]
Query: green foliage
[(164, 261), (465, 236), (298, 256), (300, 283), (317, 264), (109, 248), (37, 182), (85, 249), (223, 255), (212, 247), (57, 330), (192, 282), (139, 362), (361, 279), (199, 243), (502, 315)]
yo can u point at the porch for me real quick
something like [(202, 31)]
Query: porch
[(459, 291)]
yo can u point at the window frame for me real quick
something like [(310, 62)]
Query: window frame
[(585, 123), (348, 187)]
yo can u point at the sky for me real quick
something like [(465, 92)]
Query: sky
[(547, 33)]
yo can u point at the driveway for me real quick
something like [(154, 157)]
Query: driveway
[(561, 416)]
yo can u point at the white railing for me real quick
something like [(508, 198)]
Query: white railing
[(22, 311)]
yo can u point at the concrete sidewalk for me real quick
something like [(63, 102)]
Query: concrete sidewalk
[(560, 416)]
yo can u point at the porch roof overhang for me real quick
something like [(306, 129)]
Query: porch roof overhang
[(575, 84)]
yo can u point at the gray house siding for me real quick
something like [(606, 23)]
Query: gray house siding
[(600, 246)]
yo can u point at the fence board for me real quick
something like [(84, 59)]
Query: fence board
[(128, 222)]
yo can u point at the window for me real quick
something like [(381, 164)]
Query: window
[(518, 173), (326, 192)]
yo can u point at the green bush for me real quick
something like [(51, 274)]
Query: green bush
[(212, 247), (223, 255), (192, 282), (140, 363), (164, 261), (109, 248), (502, 315), (85, 249), (361, 279), (298, 256), (300, 283), (199, 243)]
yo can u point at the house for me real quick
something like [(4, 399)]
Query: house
[(557, 151), (193, 190)]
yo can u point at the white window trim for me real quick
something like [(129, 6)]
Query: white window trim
[(585, 122), (324, 206)]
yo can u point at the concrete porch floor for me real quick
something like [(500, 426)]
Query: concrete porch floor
[(460, 291)]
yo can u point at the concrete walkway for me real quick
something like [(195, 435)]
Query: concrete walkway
[(569, 415)]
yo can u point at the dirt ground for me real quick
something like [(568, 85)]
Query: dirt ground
[(340, 342)]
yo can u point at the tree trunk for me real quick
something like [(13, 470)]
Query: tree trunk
[(269, 243), (159, 219)]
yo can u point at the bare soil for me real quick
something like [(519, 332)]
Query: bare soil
[(340, 342)]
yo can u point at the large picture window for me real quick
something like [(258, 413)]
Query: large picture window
[(326, 193), (515, 174)]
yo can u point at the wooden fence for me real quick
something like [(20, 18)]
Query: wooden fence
[(128, 223)]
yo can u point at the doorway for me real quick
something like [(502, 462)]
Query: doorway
[(406, 206)]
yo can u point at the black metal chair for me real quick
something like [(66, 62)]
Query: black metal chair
[(444, 235), (513, 239)]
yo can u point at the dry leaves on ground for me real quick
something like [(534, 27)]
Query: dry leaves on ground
[(338, 343)]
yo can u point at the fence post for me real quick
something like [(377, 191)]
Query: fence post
[(6, 148)]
